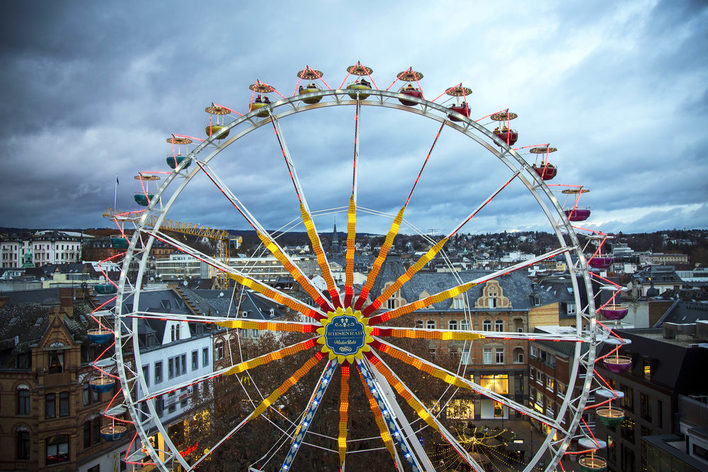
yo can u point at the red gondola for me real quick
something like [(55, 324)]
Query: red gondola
[(578, 214), (546, 172), (509, 136), (462, 109)]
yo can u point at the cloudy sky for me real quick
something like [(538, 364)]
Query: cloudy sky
[(91, 90)]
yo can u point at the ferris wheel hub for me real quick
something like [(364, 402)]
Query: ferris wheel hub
[(345, 335)]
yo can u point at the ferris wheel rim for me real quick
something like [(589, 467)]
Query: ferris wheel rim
[(292, 106)]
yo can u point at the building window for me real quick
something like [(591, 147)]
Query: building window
[(627, 429), (172, 402), (496, 383), (50, 405), (492, 302), (195, 360), (23, 445), (458, 303), (146, 374), (86, 395), (645, 406), (487, 355), (391, 303), (87, 434), (532, 373), (430, 324), (23, 400), (499, 355), (465, 356), (627, 401), (518, 355), (58, 449), (205, 357), (159, 406), (419, 324), (534, 352), (171, 368), (570, 309), (561, 389), (549, 383), (452, 325), (219, 350), (647, 370), (64, 404), (56, 362), (487, 325), (158, 372), (464, 325), (499, 325)]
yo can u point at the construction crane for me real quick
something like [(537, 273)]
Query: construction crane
[(221, 236)]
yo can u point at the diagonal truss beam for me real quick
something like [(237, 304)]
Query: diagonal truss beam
[(236, 369), (470, 335), (310, 411), (307, 215), (392, 232), (398, 435), (379, 419), (267, 239), (458, 381), (420, 409), (242, 278), (454, 291), (428, 256), (263, 406)]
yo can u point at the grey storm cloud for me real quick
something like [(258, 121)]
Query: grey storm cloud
[(91, 90)]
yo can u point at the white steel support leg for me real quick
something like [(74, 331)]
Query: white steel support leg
[(409, 436)]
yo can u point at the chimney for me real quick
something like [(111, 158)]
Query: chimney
[(66, 300), (702, 330), (670, 330)]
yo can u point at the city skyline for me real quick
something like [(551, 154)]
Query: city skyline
[(92, 92)]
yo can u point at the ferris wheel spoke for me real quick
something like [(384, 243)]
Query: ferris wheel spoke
[(310, 411), (343, 414), (271, 356), (243, 279), (419, 408), (349, 257), (320, 255), (351, 216), (470, 335), (265, 404), (235, 369), (459, 381), (384, 431), (283, 326), (457, 290), (267, 239), (307, 216), (392, 232), (430, 255)]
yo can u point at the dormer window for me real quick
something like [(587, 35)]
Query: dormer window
[(56, 358)]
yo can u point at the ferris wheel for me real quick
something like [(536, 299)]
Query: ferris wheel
[(350, 359)]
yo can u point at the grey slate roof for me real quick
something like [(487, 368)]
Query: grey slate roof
[(684, 312)]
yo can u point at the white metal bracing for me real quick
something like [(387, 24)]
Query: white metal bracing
[(135, 389)]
